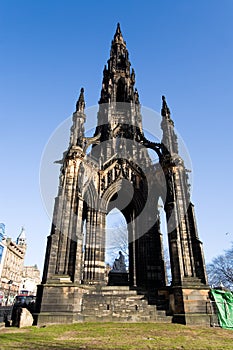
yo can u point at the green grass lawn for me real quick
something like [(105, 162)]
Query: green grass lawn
[(116, 336)]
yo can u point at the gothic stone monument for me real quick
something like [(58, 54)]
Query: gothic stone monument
[(113, 169)]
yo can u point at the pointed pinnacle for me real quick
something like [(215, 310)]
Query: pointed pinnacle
[(165, 110), (80, 105), (118, 35), (118, 30)]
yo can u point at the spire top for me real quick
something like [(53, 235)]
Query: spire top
[(165, 111), (118, 37), (80, 105), (118, 77), (118, 30)]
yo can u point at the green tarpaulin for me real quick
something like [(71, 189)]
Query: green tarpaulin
[(224, 305)]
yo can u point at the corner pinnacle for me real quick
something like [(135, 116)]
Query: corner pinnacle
[(80, 105), (165, 111)]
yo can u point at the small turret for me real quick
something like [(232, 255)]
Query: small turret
[(21, 239), (79, 118)]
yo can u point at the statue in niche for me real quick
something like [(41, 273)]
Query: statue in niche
[(119, 264)]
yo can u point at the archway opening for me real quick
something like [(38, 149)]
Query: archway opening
[(116, 238), (163, 228)]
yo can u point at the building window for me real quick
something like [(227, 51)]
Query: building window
[(1, 252)]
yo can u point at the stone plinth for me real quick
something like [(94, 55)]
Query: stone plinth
[(190, 305), (118, 278), (69, 304)]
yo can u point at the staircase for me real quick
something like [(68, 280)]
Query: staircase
[(111, 304)]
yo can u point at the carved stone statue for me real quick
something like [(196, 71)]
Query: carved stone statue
[(119, 264)]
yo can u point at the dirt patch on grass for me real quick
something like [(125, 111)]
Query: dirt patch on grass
[(69, 335)]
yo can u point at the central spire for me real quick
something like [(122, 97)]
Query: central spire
[(118, 78), (118, 37), (119, 113)]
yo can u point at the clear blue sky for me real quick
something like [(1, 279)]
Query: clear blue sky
[(49, 49)]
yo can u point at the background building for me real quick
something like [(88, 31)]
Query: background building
[(30, 280), (2, 246), (12, 260), (2, 255)]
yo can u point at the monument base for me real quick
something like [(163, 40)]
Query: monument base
[(63, 303), (118, 278), (190, 305)]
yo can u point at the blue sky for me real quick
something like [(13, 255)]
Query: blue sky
[(50, 49)]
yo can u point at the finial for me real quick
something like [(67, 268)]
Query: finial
[(118, 35), (165, 111), (80, 105), (118, 28)]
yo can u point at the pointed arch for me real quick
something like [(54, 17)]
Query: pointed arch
[(116, 236)]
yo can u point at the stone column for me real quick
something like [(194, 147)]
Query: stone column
[(95, 247)]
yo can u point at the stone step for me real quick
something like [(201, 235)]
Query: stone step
[(123, 311), (108, 304), (126, 318), (109, 289), (165, 319)]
